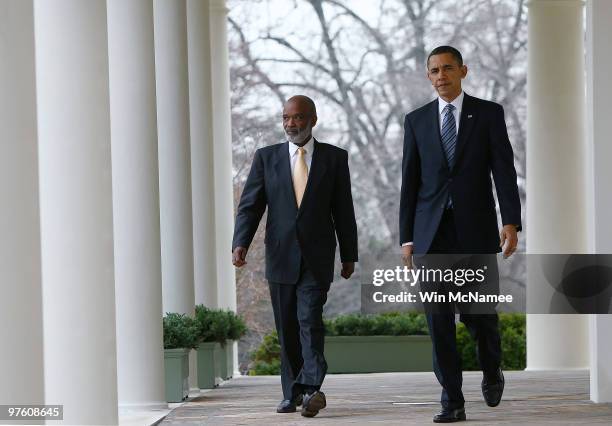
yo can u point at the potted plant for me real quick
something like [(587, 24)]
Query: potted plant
[(377, 343), (180, 336), (362, 344), (222, 326), (365, 343), (212, 328)]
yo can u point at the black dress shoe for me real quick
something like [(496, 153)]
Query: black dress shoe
[(313, 403), (286, 406), (493, 388), (449, 415), (289, 405)]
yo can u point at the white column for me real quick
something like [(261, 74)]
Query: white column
[(21, 360), (222, 134), (76, 209), (140, 358), (556, 213), (202, 160), (601, 348), (174, 162), (599, 111), (202, 155)]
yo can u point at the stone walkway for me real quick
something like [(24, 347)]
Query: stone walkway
[(533, 398)]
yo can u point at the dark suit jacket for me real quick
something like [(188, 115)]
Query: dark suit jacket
[(308, 232), (482, 149)]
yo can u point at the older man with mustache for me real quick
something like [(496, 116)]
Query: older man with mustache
[(305, 185)]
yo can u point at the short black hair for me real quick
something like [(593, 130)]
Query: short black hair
[(446, 49)]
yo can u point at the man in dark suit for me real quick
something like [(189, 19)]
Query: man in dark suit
[(305, 184), (452, 145)]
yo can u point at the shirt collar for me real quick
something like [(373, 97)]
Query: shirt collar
[(457, 102), (309, 147)]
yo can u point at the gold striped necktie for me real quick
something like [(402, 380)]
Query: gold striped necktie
[(300, 176)]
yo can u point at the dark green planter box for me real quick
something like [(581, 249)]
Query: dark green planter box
[(208, 365), (176, 369), (229, 350), (219, 363), (377, 354), (226, 360), (223, 361)]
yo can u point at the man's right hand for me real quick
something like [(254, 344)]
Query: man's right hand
[(239, 256), (407, 255)]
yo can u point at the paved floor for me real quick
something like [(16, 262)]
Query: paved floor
[(533, 398)]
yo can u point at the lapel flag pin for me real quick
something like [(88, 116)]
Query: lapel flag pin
[(470, 116)]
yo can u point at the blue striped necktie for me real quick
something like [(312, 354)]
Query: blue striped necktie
[(449, 140), (449, 134)]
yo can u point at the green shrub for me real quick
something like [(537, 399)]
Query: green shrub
[(180, 331), (388, 324), (213, 324), (218, 325), (237, 326), (266, 359), (263, 368), (513, 342)]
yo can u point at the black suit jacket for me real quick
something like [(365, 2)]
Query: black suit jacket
[(308, 232), (483, 149)]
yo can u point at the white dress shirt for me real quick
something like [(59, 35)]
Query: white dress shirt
[(458, 104), (293, 154)]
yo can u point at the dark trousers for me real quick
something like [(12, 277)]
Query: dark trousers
[(298, 315), (482, 326)]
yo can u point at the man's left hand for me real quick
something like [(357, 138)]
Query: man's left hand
[(347, 269), (509, 237)]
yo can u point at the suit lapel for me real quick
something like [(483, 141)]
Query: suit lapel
[(283, 169), (466, 124), (316, 173)]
